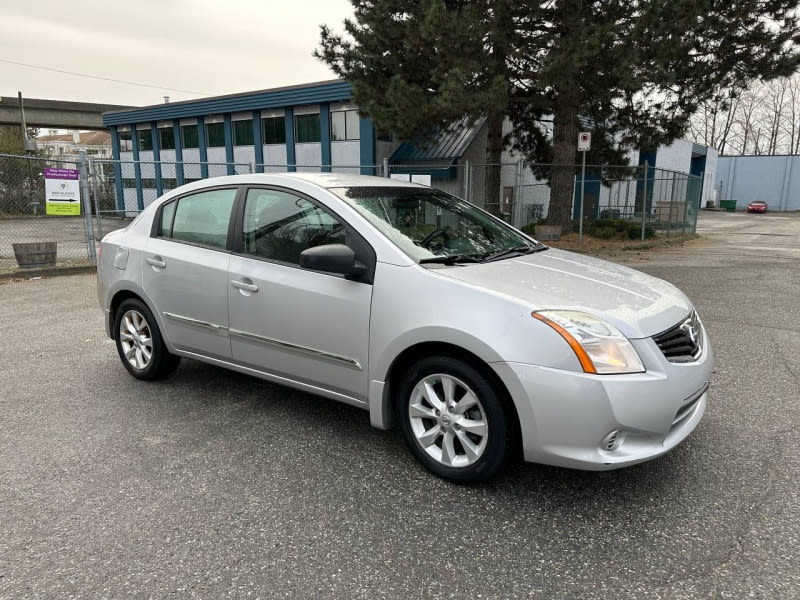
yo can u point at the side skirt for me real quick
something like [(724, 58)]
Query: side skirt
[(311, 389)]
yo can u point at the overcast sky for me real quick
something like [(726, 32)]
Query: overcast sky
[(204, 47)]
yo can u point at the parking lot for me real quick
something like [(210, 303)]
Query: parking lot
[(213, 484)]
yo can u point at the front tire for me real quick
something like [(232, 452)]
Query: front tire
[(139, 343), (452, 419)]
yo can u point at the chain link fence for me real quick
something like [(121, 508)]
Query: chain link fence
[(114, 192), (27, 233), (520, 193)]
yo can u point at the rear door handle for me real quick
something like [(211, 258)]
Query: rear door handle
[(243, 285), (155, 261)]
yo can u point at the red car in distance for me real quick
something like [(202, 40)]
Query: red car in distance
[(759, 206)]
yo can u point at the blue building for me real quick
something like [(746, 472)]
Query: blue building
[(313, 126), (317, 127)]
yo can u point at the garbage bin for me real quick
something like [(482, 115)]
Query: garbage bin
[(729, 205)]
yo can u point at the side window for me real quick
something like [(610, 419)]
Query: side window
[(167, 213), (200, 218), (279, 226)]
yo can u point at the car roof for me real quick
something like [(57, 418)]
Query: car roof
[(324, 180)]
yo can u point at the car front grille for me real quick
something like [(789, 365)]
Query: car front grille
[(682, 343)]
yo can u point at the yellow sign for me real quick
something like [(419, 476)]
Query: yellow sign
[(62, 191)]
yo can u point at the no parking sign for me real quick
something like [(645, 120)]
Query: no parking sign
[(62, 191)]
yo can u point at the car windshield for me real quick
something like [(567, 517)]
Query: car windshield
[(433, 226)]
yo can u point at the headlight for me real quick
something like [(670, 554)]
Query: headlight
[(599, 346)]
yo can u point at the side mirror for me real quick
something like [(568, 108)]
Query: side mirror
[(332, 258)]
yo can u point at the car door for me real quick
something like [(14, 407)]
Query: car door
[(303, 325), (186, 270)]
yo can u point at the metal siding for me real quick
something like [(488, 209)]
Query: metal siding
[(201, 145), (448, 145), (258, 143), (229, 143), (176, 131), (367, 142), (137, 170), (268, 99), (156, 156), (325, 136), (289, 124)]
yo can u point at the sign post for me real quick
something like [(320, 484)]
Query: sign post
[(62, 191), (584, 145)]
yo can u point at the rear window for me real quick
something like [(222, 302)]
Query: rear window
[(201, 218)]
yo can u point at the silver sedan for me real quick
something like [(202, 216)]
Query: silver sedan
[(476, 340)]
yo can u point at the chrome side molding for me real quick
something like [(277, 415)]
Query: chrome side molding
[(342, 360)]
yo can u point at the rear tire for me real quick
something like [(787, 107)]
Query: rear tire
[(452, 419), (139, 343)]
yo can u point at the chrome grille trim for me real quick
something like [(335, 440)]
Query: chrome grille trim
[(682, 343)]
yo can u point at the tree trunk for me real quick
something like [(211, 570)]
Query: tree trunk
[(565, 140), (494, 155)]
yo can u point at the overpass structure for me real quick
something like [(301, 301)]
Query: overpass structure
[(55, 114)]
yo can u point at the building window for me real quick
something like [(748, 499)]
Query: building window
[(273, 130), (145, 139), (243, 133), (128, 183), (125, 144), (189, 136), (306, 129), (344, 125), (166, 138), (215, 135)]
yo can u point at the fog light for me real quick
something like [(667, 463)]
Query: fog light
[(612, 441)]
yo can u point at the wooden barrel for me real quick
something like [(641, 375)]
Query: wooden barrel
[(35, 254)]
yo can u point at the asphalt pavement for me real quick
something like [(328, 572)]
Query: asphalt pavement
[(213, 484)]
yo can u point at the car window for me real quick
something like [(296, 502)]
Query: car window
[(201, 218), (279, 226), (167, 213), (426, 223)]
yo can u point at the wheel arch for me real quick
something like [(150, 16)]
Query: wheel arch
[(118, 297), (422, 350)]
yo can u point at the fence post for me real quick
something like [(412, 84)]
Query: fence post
[(583, 191), (93, 172), (467, 180), (251, 167), (386, 167), (516, 209), (644, 198), (87, 207)]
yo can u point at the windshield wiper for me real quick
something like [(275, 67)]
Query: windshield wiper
[(451, 259), (500, 254)]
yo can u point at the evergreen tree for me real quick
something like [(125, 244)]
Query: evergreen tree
[(635, 70)]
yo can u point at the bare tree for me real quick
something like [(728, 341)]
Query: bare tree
[(764, 119)]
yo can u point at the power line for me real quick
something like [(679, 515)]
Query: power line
[(147, 85)]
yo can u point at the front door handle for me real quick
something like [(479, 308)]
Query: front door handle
[(155, 261), (243, 285)]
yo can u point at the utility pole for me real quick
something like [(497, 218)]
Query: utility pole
[(28, 146)]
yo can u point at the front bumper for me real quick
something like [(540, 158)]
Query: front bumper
[(566, 417)]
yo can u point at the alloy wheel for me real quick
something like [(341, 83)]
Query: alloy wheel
[(448, 420), (136, 339)]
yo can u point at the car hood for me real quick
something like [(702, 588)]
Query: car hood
[(639, 305)]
